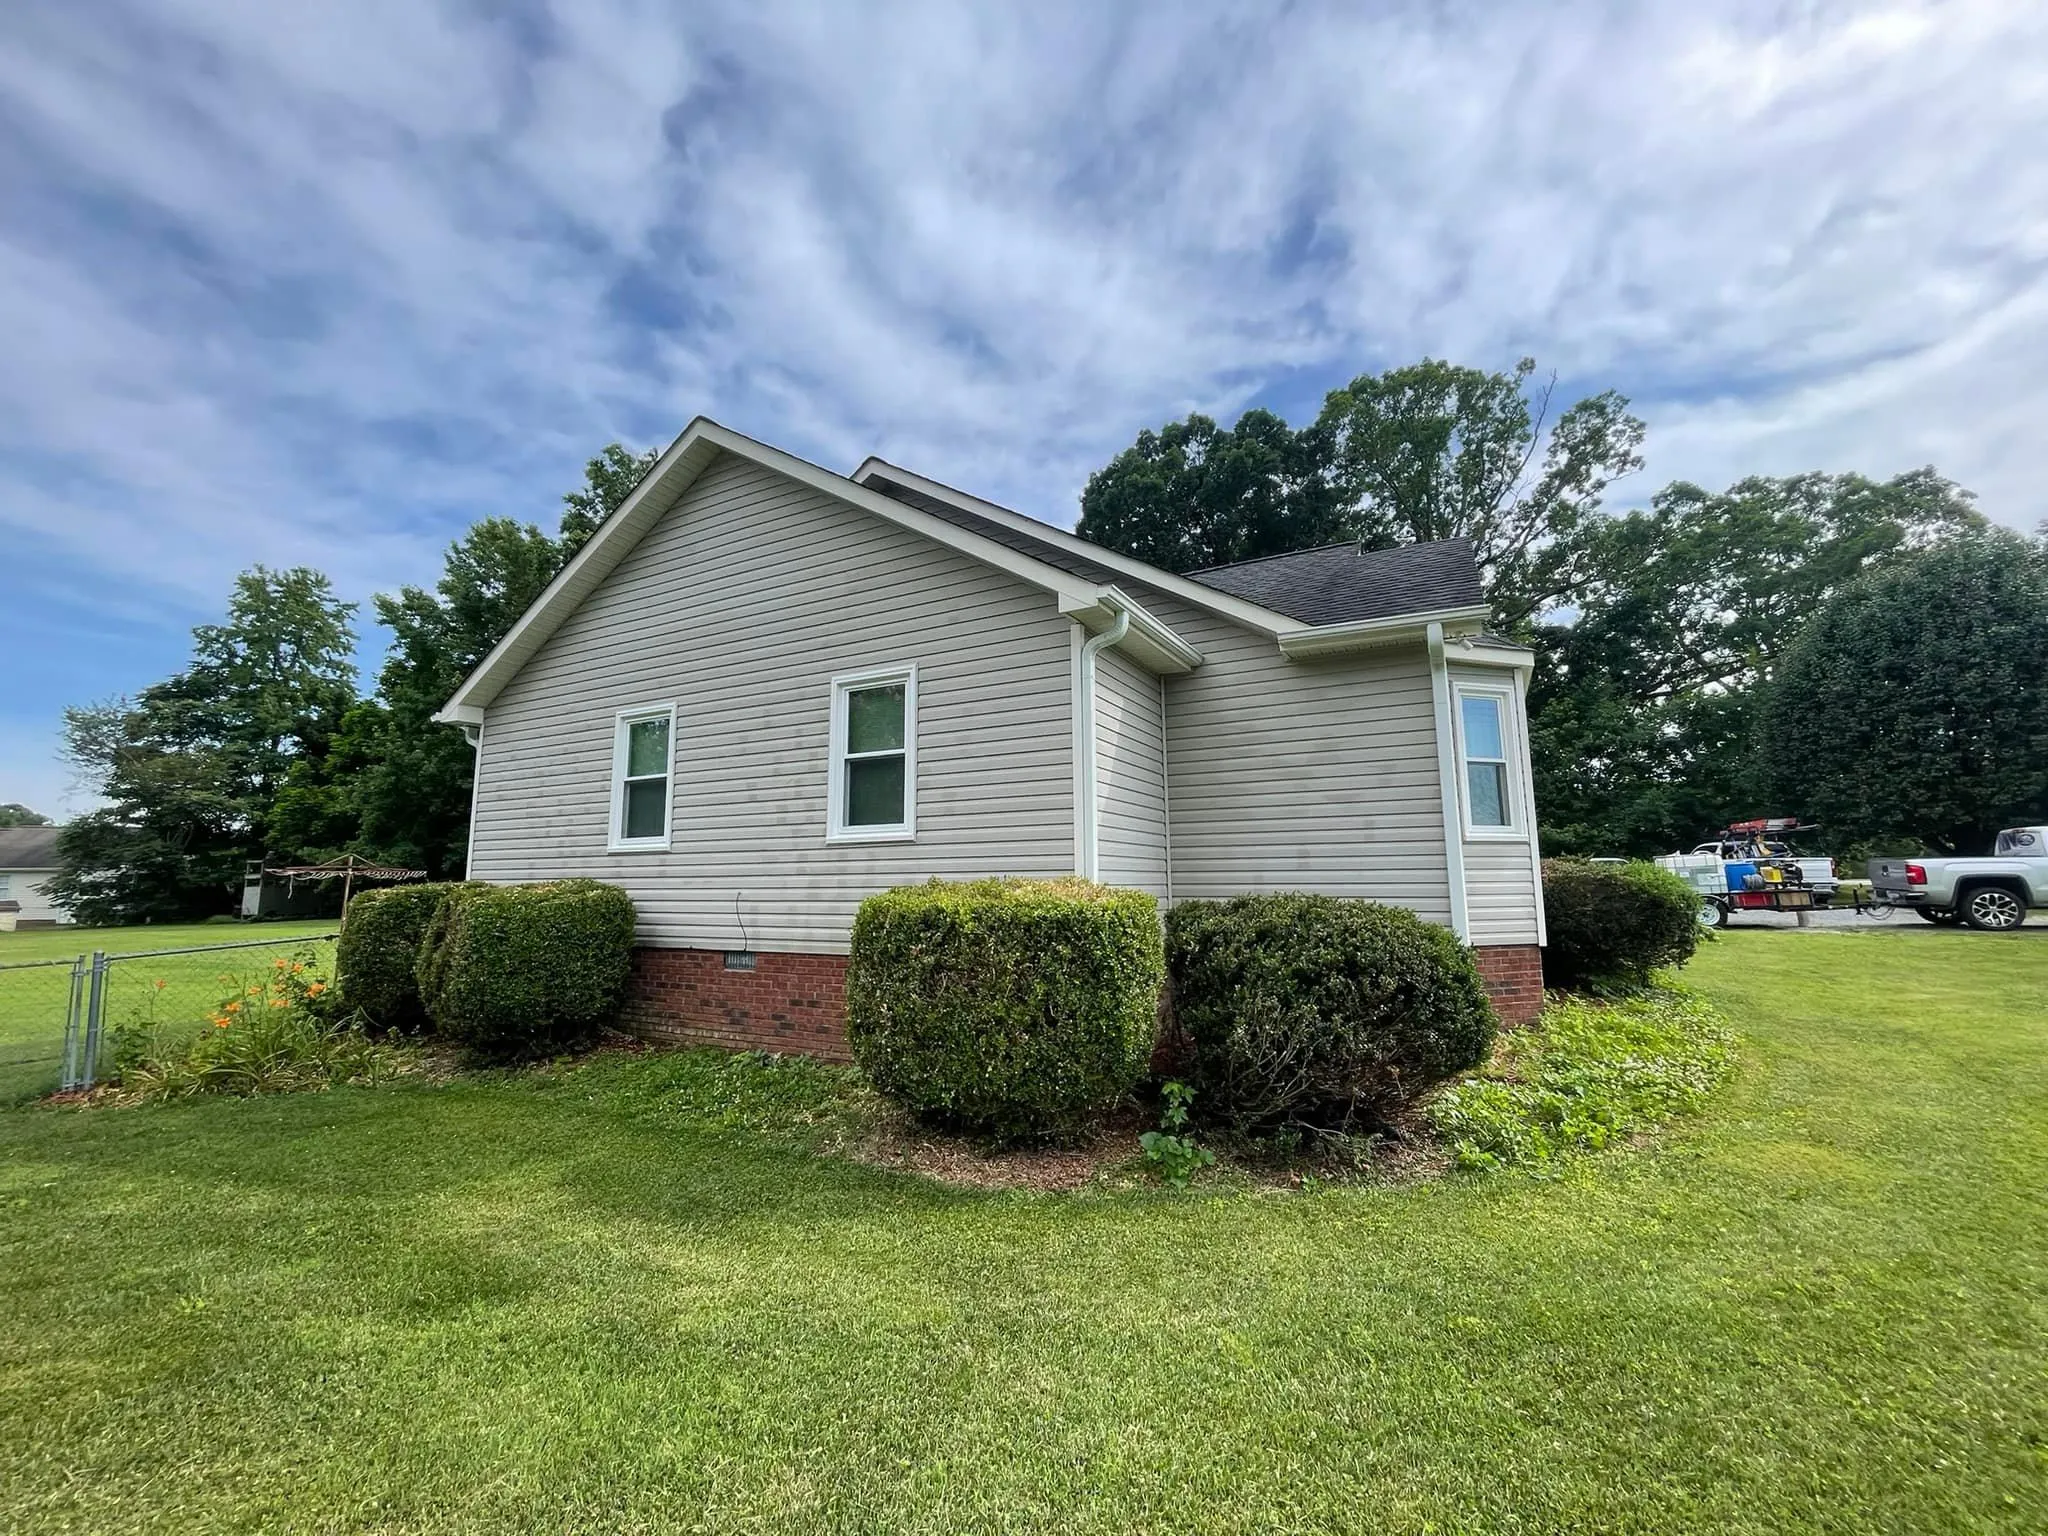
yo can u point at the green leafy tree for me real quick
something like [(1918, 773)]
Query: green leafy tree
[(1436, 451), (1194, 494), (191, 767), (1429, 451), (608, 480), (396, 785), (405, 778), (1641, 705), (15, 814), (1915, 702)]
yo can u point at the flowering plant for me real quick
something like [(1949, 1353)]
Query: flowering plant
[(270, 1031)]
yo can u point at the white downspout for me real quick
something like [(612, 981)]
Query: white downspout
[(1089, 809), (1447, 780), (474, 734)]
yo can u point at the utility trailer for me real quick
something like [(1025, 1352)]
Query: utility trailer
[(1749, 867)]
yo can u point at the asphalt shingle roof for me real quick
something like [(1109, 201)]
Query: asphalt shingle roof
[(1054, 554), (29, 847), (1346, 583), (1337, 584)]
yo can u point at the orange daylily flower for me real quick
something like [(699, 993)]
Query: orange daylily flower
[(314, 989)]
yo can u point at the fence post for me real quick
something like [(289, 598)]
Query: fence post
[(95, 1015), (74, 1026)]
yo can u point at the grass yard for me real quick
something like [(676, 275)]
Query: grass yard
[(625, 1298), (33, 1001)]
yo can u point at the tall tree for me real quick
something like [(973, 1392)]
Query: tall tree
[(397, 785), (608, 480), (1194, 494), (1428, 451), (1639, 706), (191, 767), (1915, 702), (1437, 451)]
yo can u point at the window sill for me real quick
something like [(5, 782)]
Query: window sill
[(1495, 835), (880, 835), (649, 845)]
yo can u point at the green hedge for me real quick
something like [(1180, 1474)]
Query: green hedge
[(515, 968), (379, 951), (1315, 1011), (1610, 925), (1010, 1008)]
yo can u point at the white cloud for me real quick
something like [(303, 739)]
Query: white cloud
[(325, 283)]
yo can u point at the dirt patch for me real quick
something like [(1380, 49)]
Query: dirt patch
[(890, 1139), (1110, 1159)]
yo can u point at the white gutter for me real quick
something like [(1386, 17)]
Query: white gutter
[(1447, 779), (1089, 810), (1327, 639)]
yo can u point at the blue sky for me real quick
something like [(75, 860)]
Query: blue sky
[(324, 283)]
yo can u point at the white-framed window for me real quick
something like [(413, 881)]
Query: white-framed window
[(1491, 791), (643, 757), (873, 775)]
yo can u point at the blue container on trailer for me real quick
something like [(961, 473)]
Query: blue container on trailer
[(1738, 874)]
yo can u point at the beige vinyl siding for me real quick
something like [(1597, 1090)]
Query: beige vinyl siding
[(1130, 775), (1301, 775), (739, 607), (1500, 875)]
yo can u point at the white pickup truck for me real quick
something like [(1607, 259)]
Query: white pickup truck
[(1992, 894)]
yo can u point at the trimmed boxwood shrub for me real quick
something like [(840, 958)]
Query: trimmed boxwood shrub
[(379, 950), (1320, 1012), (519, 968), (1016, 1009), (1610, 925)]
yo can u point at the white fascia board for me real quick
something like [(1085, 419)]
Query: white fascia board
[(1149, 641), (1331, 639), (660, 489), (1465, 653), (1266, 621)]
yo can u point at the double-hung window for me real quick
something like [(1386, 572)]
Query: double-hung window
[(643, 747), (873, 776), (1483, 737)]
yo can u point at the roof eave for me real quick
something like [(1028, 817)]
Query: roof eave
[(1239, 610), (659, 490), (1149, 641), (1366, 634)]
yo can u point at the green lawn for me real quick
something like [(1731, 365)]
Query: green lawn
[(597, 1301), (33, 1000)]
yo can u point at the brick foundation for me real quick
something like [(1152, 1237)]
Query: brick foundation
[(1514, 979), (791, 1003), (797, 1003)]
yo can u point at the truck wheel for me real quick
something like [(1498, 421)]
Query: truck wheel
[(1993, 909), (1712, 914), (1934, 914)]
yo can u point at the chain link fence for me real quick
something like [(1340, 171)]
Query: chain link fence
[(65, 1023)]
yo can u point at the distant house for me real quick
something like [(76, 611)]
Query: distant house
[(763, 691), (28, 857)]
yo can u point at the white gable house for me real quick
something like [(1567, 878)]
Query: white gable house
[(28, 860), (763, 691)]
